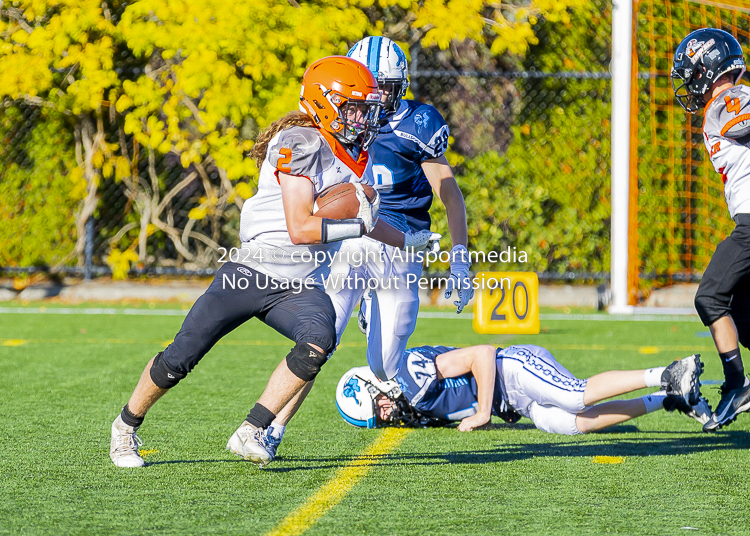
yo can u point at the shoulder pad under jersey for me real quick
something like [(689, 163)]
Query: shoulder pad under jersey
[(729, 113), (429, 127), (300, 151)]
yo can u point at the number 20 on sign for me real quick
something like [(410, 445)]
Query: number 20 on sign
[(507, 302)]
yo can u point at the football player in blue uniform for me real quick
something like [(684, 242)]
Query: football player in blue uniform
[(408, 168), (436, 385)]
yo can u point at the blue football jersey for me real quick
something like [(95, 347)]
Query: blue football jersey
[(415, 133), (450, 399)]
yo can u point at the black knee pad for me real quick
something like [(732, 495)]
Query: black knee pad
[(163, 376), (327, 342), (305, 361)]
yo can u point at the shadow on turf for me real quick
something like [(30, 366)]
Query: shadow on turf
[(693, 443)]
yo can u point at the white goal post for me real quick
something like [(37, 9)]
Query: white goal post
[(620, 68)]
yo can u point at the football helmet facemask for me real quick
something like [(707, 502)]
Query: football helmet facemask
[(342, 98), (356, 399), (700, 59), (387, 62)]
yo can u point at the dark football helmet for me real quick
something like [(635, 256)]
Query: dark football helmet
[(700, 59)]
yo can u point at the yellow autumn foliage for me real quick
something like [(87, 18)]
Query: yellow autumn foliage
[(119, 262), (209, 73), (214, 65)]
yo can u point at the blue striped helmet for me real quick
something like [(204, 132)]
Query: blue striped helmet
[(356, 395), (387, 62)]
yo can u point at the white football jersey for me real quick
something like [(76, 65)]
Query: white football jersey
[(726, 133), (266, 245)]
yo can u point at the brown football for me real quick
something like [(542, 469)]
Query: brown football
[(340, 202)]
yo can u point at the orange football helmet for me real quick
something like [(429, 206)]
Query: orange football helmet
[(341, 96)]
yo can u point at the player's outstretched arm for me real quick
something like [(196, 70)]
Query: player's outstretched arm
[(440, 176), (480, 361)]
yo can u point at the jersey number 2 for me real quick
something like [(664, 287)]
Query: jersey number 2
[(281, 164)]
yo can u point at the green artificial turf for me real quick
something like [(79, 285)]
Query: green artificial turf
[(65, 377)]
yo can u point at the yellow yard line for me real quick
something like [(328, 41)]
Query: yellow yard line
[(342, 482), (608, 459), (593, 347), (630, 348), (13, 342)]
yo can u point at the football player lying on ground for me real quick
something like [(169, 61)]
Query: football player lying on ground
[(437, 384)]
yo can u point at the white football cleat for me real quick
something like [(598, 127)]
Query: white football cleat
[(251, 443), (701, 411), (123, 448), (681, 379)]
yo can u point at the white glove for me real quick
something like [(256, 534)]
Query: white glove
[(368, 212), (422, 241), (460, 278)]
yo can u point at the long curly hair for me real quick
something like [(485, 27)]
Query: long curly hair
[(292, 119)]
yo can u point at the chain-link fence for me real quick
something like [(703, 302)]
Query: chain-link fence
[(680, 214), (530, 149)]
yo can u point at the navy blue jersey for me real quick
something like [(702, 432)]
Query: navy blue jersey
[(415, 133), (449, 399)]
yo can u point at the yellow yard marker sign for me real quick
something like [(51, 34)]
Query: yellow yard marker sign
[(507, 302)]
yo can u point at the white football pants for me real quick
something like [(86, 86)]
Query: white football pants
[(541, 389), (380, 273)]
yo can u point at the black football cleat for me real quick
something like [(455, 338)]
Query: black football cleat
[(701, 411), (732, 403)]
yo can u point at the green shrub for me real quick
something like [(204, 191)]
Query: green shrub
[(40, 189)]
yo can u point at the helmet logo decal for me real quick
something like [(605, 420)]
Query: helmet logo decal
[(351, 389), (695, 49), (692, 46)]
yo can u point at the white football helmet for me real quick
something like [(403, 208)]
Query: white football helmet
[(387, 62), (355, 396)]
